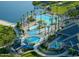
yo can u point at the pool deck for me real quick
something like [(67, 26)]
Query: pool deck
[(25, 26), (26, 35), (42, 31)]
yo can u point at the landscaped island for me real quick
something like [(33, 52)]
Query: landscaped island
[(30, 54), (7, 35)]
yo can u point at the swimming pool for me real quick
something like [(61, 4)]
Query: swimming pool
[(27, 46), (33, 27), (33, 32), (56, 45), (32, 40), (36, 31), (47, 17)]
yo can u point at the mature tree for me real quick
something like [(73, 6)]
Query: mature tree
[(7, 34), (18, 25), (36, 3), (72, 51)]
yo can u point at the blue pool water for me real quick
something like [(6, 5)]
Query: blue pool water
[(27, 46), (56, 45), (33, 27), (33, 32), (46, 18), (32, 39)]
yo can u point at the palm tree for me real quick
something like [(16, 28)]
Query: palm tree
[(34, 8), (48, 29), (34, 15), (40, 22), (62, 22), (45, 27), (23, 19), (51, 20), (31, 13), (18, 25), (58, 23), (27, 20), (55, 24), (57, 19)]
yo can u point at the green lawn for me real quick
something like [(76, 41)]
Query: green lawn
[(61, 9), (30, 54), (6, 55), (7, 34)]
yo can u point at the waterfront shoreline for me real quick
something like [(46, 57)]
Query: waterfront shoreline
[(6, 23)]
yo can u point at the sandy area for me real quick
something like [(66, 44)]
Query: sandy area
[(6, 23), (25, 26), (26, 35)]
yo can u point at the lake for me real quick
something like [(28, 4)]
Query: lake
[(11, 11)]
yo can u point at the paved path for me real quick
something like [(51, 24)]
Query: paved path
[(28, 51), (42, 54)]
